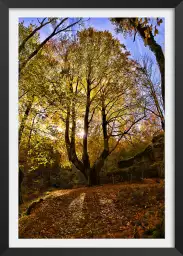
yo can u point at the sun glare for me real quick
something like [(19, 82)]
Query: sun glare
[(81, 134)]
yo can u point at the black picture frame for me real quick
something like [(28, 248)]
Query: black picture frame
[(4, 126)]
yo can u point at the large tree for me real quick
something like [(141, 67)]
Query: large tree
[(83, 89), (99, 81)]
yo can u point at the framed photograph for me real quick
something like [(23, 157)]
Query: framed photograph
[(88, 98)]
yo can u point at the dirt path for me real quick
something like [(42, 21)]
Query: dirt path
[(110, 211)]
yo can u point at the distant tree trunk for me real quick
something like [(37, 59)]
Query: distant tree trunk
[(24, 119), (21, 177), (159, 110), (21, 129), (156, 102), (112, 179)]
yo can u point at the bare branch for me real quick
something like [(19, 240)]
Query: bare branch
[(42, 24), (126, 132), (40, 46)]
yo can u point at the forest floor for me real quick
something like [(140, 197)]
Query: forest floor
[(108, 211)]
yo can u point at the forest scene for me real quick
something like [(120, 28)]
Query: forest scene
[(91, 127)]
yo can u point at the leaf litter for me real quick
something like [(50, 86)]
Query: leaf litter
[(109, 211)]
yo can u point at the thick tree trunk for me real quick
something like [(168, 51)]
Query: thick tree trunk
[(91, 174), (85, 156), (104, 127), (94, 177), (70, 144), (95, 170)]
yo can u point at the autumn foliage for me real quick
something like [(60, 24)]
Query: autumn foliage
[(84, 105)]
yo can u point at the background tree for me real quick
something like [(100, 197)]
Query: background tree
[(147, 30), (58, 25), (151, 89)]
